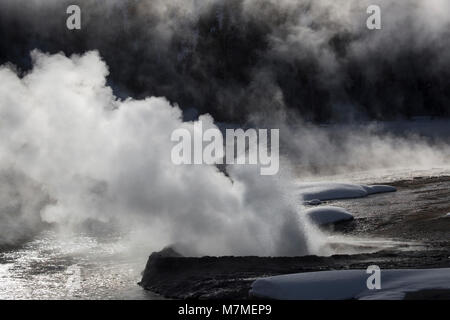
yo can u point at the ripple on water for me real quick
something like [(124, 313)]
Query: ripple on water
[(77, 267)]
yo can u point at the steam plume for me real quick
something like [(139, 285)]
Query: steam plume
[(235, 58)]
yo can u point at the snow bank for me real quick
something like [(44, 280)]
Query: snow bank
[(327, 215), (349, 284), (331, 190), (379, 189)]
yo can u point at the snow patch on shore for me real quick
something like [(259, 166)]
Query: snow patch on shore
[(324, 191), (328, 215), (378, 189), (350, 284)]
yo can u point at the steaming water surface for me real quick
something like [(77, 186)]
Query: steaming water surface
[(46, 268)]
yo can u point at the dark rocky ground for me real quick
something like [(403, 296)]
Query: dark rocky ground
[(414, 213), (231, 277)]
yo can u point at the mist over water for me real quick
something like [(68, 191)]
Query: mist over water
[(368, 146)]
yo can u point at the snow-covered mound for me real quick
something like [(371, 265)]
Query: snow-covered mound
[(378, 189), (349, 284), (327, 215), (331, 190)]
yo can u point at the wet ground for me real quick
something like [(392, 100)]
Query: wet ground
[(415, 213)]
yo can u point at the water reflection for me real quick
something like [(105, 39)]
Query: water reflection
[(73, 267)]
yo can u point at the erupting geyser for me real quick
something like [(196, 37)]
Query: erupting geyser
[(97, 157)]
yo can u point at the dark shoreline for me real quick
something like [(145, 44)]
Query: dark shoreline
[(231, 277)]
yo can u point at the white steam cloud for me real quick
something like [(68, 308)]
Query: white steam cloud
[(341, 149), (96, 157)]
